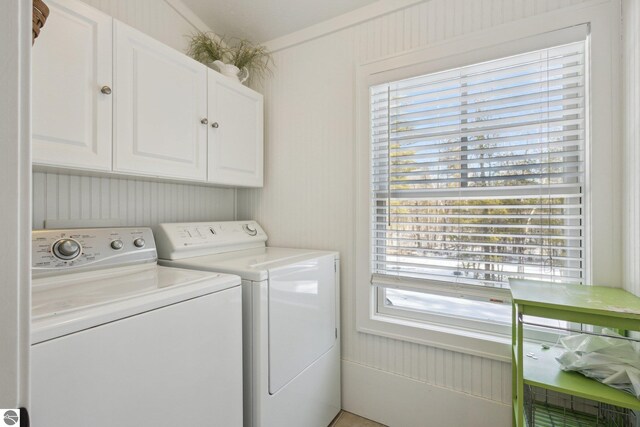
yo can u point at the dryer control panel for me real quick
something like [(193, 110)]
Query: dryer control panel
[(70, 250), (191, 239)]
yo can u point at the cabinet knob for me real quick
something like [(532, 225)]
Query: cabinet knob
[(215, 125), (204, 121), (106, 90)]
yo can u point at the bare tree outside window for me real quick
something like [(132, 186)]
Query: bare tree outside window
[(478, 172)]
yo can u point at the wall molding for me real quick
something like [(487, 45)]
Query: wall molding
[(630, 16), (355, 17), (340, 22), (15, 174), (185, 12)]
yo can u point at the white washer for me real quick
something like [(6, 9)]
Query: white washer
[(290, 317), (119, 340)]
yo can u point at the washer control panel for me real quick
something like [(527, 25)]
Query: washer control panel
[(184, 240), (61, 251)]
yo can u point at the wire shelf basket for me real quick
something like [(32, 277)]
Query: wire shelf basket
[(547, 408)]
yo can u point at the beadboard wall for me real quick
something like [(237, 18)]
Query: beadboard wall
[(127, 202), (631, 138), (308, 199), (161, 19), (131, 202)]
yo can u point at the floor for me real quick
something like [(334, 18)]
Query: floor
[(347, 419)]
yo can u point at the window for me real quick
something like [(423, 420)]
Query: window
[(478, 175), (483, 156)]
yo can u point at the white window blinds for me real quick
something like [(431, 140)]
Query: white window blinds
[(478, 172)]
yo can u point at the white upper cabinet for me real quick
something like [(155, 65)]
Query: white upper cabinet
[(72, 73), (107, 97), (235, 133), (160, 109)]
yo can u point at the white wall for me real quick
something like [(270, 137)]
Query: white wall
[(66, 196), (308, 198), (631, 143)]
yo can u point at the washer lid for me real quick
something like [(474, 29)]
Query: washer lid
[(67, 304), (250, 264)]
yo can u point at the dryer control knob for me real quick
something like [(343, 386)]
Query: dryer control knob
[(117, 245), (139, 242), (250, 229), (66, 249)]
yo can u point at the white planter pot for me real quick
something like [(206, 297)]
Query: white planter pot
[(231, 71)]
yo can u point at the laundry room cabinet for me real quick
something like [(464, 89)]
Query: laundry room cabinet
[(110, 99), (160, 111), (72, 88), (235, 133)]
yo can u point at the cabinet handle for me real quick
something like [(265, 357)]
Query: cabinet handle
[(204, 121), (106, 90), (215, 125)]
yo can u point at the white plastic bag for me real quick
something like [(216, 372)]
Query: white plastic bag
[(612, 361)]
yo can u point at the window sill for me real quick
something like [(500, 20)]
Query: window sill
[(453, 338)]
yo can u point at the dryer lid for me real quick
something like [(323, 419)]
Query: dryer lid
[(250, 264)]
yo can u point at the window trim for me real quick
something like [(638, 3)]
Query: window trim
[(442, 319), (602, 179)]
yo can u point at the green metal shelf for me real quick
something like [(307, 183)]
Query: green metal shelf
[(593, 305), (577, 303), (545, 372)]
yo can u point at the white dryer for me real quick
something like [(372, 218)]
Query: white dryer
[(119, 340), (291, 321)]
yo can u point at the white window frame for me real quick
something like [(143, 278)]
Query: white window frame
[(602, 180)]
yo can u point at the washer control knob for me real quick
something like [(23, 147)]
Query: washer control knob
[(139, 242), (66, 249), (117, 245), (250, 229)]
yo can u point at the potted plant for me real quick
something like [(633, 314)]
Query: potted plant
[(239, 61), (254, 59), (207, 48)]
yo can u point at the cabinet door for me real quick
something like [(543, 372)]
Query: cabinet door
[(72, 61), (236, 133), (160, 101)]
